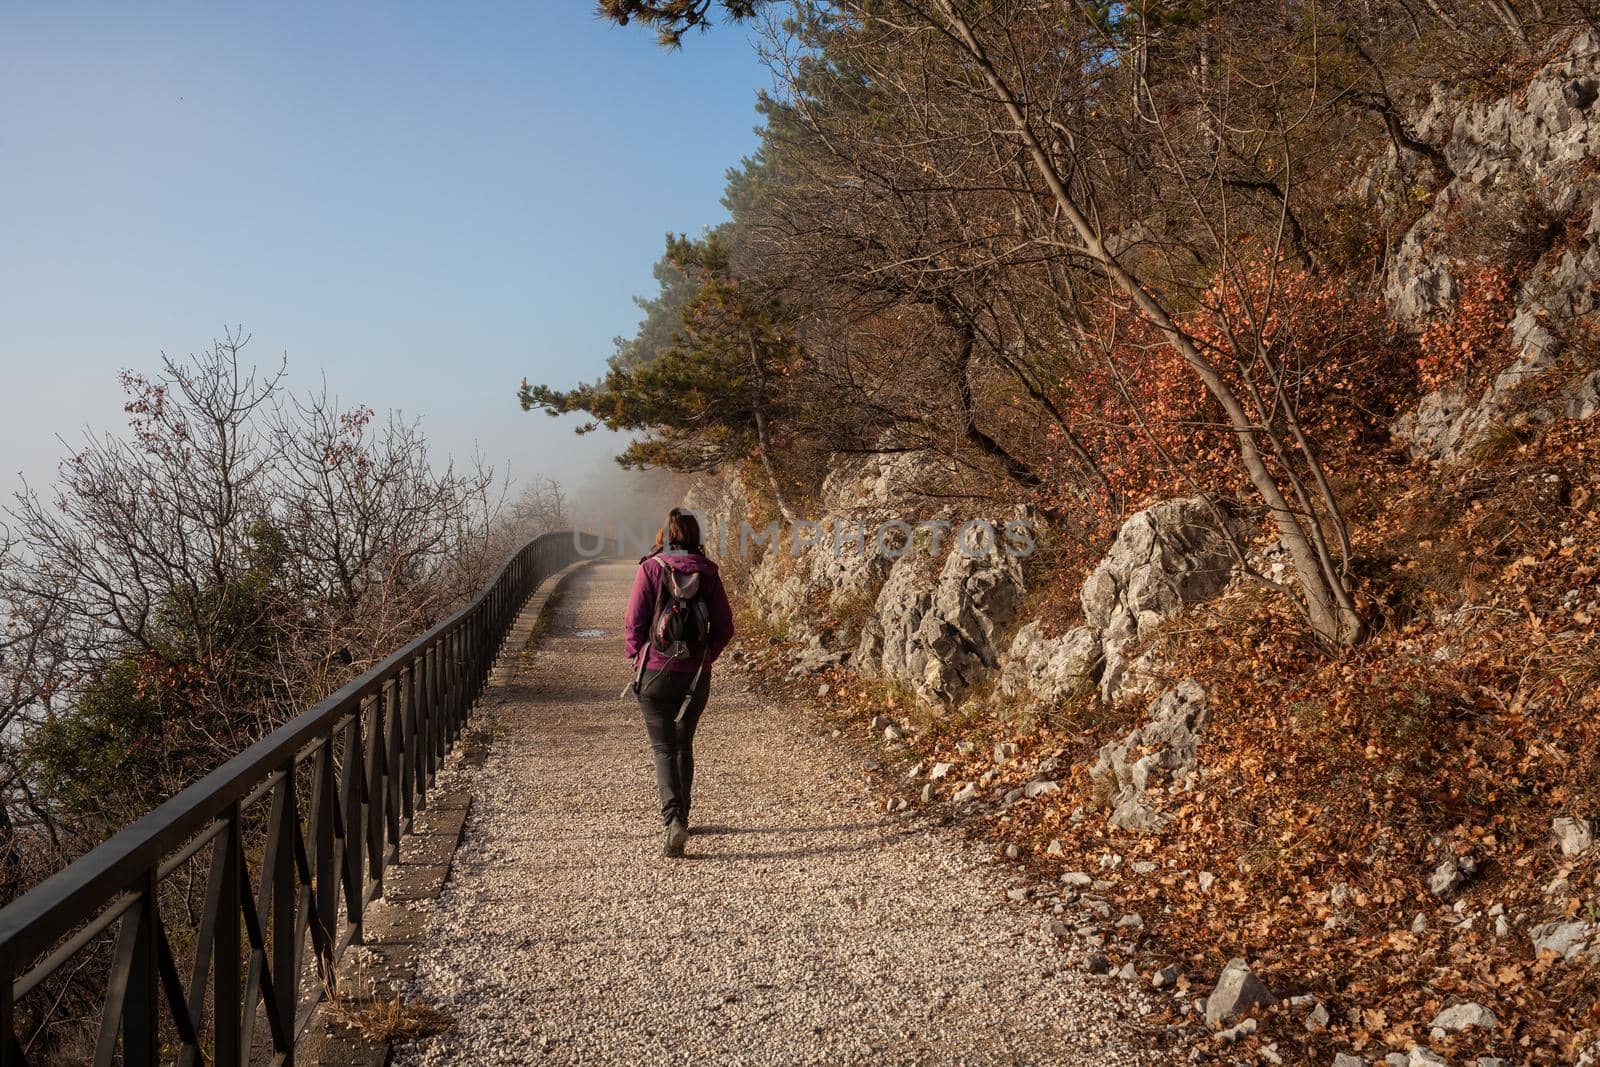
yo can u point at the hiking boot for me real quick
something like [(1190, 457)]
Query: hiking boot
[(677, 834)]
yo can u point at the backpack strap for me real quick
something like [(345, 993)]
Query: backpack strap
[(649, 637), (694, 683)]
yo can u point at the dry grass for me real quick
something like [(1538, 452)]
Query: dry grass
[(358, 1002)]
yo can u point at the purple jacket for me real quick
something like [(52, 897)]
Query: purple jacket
[(642, 606)]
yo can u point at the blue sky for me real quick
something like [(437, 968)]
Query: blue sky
[(424, 202)]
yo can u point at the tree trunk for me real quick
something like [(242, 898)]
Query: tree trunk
[(758, 409)]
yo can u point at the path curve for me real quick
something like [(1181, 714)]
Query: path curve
[(804, 926)]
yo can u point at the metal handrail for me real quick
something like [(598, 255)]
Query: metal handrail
[(367, 756)]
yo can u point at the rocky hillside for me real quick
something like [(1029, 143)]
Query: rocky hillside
[(1385, 852)]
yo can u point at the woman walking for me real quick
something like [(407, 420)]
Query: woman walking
[(678, 622)]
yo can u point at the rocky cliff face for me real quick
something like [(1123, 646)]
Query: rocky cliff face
[(1522, 163), (942, 613)]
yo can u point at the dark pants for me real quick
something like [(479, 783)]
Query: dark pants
[(672, 742)]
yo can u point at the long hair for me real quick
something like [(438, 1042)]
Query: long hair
[(681, 530)]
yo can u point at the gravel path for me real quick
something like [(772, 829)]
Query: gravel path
[(803, 927)]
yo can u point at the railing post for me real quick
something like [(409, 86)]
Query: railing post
[(10, 1047), (351, 789), (410, 786), (429, 721), (453, 709), (141, 1023), (285, 943), (322, 824), (393, 773), (375, 784), (227, 990)]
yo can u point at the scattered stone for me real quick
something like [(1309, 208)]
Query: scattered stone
[(1128, 973), (1423, 1056), (878, 724), (1450, 876), (1317, 1018), (1344, 1059), (966, 793), (1565, 939), (1572, 836), (1237, 990), (1019, 895), (1502, 928), (1097, 964), (1269, 1052), (823, 690), (1166, 977), (1460, 1017), (928, 793), (1207, 880), (1013, 852), (1012, 796), (1077, 879), (1005, 752), (1144, 867), (1131, 921), (940, 770), (1055, 848), (892, 733), (1419, 925), (1125, 778), (1058, 929), (1234, 1033), (1490, 1061), (916, 770), (1039, 789), (965, 748)]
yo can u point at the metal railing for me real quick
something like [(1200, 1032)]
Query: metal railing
[(340, 785)]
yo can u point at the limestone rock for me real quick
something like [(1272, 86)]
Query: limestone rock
[(941, 639), (1234, 1033), (1583, 399), (1564, 939), (1049, 669), (1465, 1016), (1450, 876), (1124, 772), (1170, 555), (1572, 836), (1530, 150), (1237, 990)]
